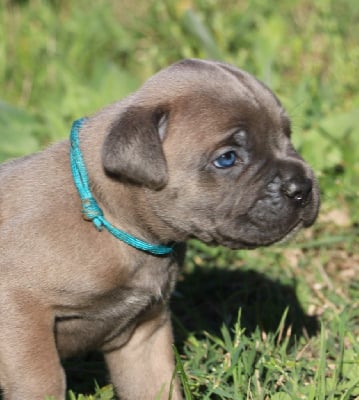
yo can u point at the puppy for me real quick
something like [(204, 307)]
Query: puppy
[(203, 151)]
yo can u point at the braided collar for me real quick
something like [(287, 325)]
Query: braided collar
[(90, 208)]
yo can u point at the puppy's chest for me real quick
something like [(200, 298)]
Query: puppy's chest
[(95, 321)]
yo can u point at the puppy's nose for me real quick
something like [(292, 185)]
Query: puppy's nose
[(298, 190)]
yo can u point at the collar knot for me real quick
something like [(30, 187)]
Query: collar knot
[(92, 212)]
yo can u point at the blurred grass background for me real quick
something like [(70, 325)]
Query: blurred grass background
[(63, 59)]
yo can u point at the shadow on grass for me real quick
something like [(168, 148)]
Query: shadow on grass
[(208, 298), (83, 373), (204, 300)]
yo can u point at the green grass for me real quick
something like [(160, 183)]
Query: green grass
[(276, 323)]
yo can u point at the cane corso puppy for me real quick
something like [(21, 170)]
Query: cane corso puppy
[(202, 150)]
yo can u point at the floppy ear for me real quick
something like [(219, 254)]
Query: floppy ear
[(132, 149)]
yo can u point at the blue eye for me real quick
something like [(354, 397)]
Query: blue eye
[(226, 160)]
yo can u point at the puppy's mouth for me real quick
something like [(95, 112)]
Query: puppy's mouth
[(291, 234), (253, 238)]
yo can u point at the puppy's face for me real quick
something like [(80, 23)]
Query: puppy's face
[(219, 164)]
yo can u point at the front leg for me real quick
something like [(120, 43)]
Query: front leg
[(142, 369), (30, 367)]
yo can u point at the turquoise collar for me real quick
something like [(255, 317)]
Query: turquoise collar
[(90, 207)]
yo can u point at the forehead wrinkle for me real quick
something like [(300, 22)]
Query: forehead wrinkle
[(237, 88), (263, 96), (248, 94)]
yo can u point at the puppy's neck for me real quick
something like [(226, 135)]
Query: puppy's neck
[(123, 203)]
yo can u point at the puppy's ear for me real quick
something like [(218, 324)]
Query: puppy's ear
[(133, 148)]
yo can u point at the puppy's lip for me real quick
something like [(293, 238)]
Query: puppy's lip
[(291, 233), (240, 244)]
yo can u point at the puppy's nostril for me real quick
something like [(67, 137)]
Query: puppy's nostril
[(298, 190)]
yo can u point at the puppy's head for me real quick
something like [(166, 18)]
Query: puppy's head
[(210, 147)]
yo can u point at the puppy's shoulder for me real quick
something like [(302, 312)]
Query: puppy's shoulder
[(31, 179)]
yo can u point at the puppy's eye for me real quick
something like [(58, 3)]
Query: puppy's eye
[(226, 160)]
